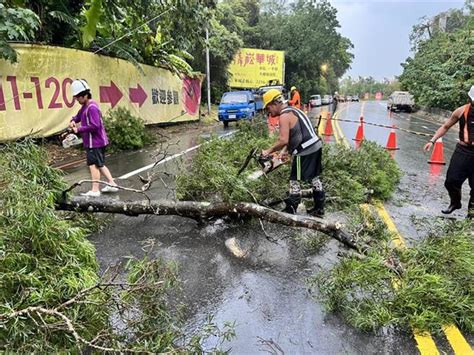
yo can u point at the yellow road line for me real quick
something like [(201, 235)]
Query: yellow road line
[(337, 128), (457, 340), (425, 343), (424, 340), (398, 240)]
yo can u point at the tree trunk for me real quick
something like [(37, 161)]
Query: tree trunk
[(203, 210)]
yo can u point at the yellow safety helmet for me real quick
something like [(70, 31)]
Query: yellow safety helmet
[(270, 95), (293, 88)]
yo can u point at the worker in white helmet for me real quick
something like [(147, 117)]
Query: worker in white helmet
[(88, 123)]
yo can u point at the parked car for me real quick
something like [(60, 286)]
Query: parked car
[(236, 105), (315, 100), (401, 100), (326, 100), (355, 98), (348, 98)]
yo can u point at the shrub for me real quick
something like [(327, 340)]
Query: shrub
[(44, 260), (125, 131)]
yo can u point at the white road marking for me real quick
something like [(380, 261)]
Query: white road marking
[(147, 167)]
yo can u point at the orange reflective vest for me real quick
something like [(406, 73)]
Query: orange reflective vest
[(295, 100), (273, 123), (466, 125)]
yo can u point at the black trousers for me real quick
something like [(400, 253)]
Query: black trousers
[(461, 168)]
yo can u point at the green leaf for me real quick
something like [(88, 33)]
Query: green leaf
[(92, 16)]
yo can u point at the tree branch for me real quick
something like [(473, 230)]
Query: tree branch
[(204, 210)]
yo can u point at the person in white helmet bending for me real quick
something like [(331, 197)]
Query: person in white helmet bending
[(91, 128), (461, 166)]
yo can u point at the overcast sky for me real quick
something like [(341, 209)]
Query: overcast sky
[(379, 30)]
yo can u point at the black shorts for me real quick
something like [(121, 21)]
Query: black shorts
[(306, 167), (95, 156)]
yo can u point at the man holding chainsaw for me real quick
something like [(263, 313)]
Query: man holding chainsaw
[(93, 135), (299, 138)]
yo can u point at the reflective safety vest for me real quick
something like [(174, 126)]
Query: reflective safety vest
[(466, 125), (308, 134), (295, 100)]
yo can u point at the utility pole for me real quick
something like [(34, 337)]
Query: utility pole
[(208, 74)]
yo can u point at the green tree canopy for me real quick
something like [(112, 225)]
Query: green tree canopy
[(441, 71), (316, 55)]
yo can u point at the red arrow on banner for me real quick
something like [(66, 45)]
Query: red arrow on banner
[(110, 94), (137, 95)]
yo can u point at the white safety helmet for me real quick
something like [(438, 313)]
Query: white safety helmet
[(471, 93), (78, 86)]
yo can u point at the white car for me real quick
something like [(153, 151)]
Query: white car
[(315, 100), (326, 100)]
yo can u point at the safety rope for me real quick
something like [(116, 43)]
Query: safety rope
[(379, 125)]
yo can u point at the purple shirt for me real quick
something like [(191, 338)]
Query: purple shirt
[(92, 128)]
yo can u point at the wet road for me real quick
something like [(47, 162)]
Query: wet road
[(265, 291)]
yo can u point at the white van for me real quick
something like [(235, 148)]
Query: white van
[(315, 100)]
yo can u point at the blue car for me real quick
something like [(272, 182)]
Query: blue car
[(236, 105)]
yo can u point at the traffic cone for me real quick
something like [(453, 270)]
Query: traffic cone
[(360, 132), (357, 144), (437, 157), (392, 140), (328, 128)]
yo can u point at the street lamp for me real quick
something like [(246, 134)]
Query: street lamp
[(324, 70)]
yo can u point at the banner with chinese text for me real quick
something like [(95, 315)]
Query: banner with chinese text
[(35, 93), (252, 68)]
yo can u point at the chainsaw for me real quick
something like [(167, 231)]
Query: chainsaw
[(69, 138), (267, 163)]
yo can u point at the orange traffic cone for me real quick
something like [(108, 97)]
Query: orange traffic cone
[(360, 133), (328, 128), (392, 140), (437, 157), (357, 144)]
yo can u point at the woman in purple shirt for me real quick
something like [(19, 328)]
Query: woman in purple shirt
[(93, 135)]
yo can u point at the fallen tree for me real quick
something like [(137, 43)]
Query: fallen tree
[(204, 210)]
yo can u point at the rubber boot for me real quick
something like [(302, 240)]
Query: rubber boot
[(291, 203), (318, 209), (455, 196)]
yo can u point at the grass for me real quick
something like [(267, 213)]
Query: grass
[(432, 285)]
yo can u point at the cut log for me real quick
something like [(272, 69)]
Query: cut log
[(205, 210)]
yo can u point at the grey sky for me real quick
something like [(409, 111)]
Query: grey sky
[(379, 30)]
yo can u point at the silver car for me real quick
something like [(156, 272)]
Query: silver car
[(315, 100)]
